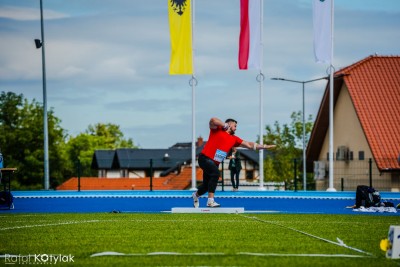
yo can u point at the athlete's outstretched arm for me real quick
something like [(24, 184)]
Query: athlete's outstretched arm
[(255, 146)]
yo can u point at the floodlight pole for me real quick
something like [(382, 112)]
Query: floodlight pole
[(45, 122), (304, 123)]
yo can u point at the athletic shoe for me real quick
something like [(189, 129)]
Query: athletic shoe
[(213, 204), (195, 200)]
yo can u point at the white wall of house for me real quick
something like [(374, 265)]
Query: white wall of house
[(349, 133), (137, 174), (113, 174), (247, 166), (126, 173)]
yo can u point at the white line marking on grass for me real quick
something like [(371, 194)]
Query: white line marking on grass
[(183, 254), (161, 253), (20, 215), (139, 220), (303, 255), (48, 224), (340, 243), (245, 211), (96, 221), (112, 253), (262, 211)]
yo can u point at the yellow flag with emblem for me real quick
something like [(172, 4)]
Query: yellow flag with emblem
[(180, 27)]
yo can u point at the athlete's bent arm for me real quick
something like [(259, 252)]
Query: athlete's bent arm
[(215, 122)]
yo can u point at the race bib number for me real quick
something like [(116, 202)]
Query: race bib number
[(220, 155)]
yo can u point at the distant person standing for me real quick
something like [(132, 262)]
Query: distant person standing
[(235, 167), (221, 140)]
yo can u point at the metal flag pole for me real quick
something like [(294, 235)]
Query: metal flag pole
[(331, 88), (304, 142), (45, 123), (193, 83), (260, 79)]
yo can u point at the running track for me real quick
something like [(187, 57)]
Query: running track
[(311, 202)]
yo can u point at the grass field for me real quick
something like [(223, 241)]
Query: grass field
[(197, 239)]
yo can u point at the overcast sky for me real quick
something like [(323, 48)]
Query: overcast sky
[(108, 62)]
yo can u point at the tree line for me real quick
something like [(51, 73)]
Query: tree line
[(21, 143), (22, 139)]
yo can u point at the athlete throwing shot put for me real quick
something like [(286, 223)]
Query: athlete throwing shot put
[(221, 140)]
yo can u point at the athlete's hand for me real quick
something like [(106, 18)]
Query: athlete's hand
[(269, 146)]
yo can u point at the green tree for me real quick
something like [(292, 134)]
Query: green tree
[(10, 114), (297, 128), (21, 141), (98, 136), (22, 146), (288, 138)]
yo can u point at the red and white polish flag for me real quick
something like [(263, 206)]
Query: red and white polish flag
[(250, 43)]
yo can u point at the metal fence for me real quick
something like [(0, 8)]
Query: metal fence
[(347, 175)]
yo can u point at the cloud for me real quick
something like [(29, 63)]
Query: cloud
[(28, 14), (108, 62)]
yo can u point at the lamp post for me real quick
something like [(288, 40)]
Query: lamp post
[(40, 44), (304, 123)]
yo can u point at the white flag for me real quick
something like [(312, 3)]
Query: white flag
[(322, 20)]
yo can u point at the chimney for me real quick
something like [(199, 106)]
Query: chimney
[(200, 141)]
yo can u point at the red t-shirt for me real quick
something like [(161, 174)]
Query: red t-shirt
[(219, 144)]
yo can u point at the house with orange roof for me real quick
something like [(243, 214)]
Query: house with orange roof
[(366, 127)]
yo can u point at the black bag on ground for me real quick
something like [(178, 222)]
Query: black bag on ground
[(387, 204), (367, 197)]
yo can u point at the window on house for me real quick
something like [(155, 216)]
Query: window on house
[(361, 155), (327, 156), (351, 156), (249, 175)]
